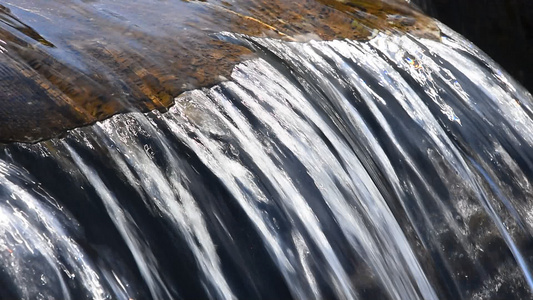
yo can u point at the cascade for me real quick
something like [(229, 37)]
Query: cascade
[(394, 166)]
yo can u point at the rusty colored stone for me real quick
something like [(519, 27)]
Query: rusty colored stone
[(68, 63)]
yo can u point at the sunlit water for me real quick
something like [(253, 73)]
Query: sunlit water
[(397, 168)]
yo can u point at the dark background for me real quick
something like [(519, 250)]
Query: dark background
[(501, 28)]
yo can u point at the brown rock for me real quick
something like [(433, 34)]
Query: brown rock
[(69, 63)]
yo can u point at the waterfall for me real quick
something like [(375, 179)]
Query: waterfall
[(393, 168)]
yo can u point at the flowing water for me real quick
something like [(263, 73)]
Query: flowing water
[(394, 168)]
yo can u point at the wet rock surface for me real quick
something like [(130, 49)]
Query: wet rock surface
[(69, 63)]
